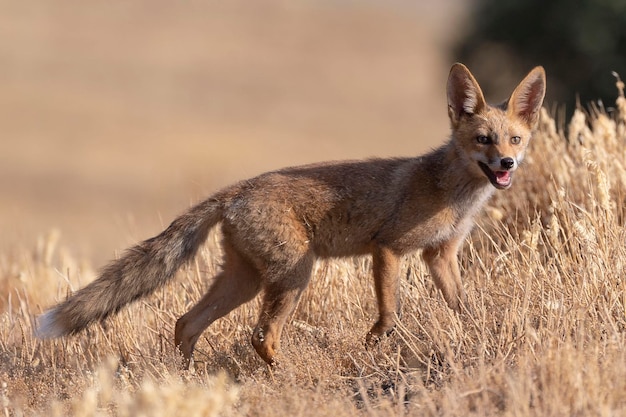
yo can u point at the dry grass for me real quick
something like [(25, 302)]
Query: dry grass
[(546, 334)]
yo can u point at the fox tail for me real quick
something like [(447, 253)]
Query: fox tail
[(139, 272)]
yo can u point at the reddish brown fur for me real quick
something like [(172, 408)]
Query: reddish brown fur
[(275, 225)]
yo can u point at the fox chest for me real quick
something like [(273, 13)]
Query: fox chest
[(426, 228)]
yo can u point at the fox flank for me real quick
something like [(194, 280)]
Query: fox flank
[(275, 226)]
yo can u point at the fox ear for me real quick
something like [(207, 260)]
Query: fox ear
[(527, 98), (464, 94)]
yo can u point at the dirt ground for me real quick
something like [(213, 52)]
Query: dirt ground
[(115, 116)]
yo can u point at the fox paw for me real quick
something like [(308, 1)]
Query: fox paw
[(373, 337)]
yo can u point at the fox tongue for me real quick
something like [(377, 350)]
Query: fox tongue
[(503, 177)]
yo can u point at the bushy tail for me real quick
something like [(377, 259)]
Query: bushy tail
[(140, 271)]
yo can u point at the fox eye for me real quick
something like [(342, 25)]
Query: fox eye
[(482, 139), (515, 140)]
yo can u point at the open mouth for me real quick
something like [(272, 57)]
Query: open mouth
[(499, 179)]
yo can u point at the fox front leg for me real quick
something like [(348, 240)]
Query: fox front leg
[(385, 265), (443, 264)]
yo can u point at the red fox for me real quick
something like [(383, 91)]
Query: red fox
[(275, 225)]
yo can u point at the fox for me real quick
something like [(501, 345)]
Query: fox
[(274, 226)]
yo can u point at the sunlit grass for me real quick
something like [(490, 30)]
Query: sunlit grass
[(545, 334)]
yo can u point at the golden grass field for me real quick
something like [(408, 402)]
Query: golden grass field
[(544, 268), (544, 275)]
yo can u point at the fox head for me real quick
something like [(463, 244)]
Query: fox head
[(492, 140)]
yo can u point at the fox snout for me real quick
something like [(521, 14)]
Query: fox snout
[(499, 174), (507, 163)]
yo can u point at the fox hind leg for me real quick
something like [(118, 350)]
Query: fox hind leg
[(238, 283), (280, 299)]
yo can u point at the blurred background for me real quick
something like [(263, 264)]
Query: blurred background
[(580, 42), (116, 116)]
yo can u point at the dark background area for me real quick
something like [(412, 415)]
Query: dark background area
[(579, 42)]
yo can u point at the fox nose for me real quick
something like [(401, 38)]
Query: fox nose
[(507, 163)]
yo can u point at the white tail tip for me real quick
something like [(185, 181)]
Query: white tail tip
[(48, 326)]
